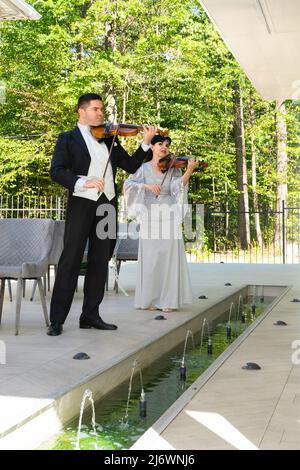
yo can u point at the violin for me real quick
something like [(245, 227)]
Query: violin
[(124, 130), (179, 162)]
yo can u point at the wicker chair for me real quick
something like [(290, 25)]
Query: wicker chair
[(56, 250), (25, 245)]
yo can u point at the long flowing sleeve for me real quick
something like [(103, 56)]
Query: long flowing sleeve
[(179, 193), (134, 194)]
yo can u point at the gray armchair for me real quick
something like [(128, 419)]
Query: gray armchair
[(57, 246), (127, 246), (25, 246), (55, 253)]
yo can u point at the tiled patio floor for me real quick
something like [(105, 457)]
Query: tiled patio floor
[(41, 368)]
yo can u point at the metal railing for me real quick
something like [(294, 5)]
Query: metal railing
[(280, 237), (23, 207), (280, 230)]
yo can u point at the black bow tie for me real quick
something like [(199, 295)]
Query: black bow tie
[(101, 140)]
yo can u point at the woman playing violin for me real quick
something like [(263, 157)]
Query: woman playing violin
[(157, 199)]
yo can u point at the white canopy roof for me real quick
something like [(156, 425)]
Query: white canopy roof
[(17, 10), (264, 37)]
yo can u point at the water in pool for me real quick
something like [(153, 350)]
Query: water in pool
[(117, 420)]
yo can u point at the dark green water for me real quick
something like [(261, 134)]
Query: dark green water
[(162, 386)]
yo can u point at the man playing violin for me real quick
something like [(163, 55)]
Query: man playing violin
[(87, 168)]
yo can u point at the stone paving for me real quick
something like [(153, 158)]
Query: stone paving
[(263, 406)]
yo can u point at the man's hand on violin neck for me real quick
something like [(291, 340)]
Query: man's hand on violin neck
[(97, 183), (154, 188), (149, 133)]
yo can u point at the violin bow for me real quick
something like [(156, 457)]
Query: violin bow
[(111, 148), (112, 144), (166, 173), (174, 155)]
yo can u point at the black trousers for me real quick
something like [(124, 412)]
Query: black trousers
[(81, 225)]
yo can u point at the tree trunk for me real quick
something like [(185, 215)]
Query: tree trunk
[(111, 109), (110, 37), (157, 87), (157, 104), (125, 99), (79, 50), (241, 171), (84, 11), (253, 173), (111, 43), (226, 212), (282, 191)]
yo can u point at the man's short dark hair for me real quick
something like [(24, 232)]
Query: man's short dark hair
[(86, 98)]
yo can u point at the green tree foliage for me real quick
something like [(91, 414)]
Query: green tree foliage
[(24, 168), (164, 63)]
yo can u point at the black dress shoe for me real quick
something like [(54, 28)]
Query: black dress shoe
[(97, 323), (55, 329)]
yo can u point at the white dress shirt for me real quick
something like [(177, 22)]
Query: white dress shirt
[(99, 155)]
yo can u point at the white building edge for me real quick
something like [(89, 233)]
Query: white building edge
[(17, 10), (264, 37)]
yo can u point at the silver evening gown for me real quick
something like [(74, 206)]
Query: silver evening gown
[(162, 274)]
